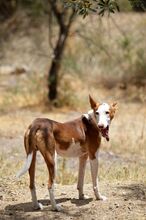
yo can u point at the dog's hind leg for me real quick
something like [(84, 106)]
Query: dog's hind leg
[(29, 147), (49, 159), (46, 145), (35, 203), (81, 174)]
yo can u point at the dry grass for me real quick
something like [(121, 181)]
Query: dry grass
[(122, 159), (99, 69), (111, 53)]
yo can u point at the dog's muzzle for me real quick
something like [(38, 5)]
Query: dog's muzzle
[(104, 132)]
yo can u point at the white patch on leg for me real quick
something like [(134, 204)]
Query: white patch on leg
[(98, 195), (94, 169), (55, 207), (35, 203)]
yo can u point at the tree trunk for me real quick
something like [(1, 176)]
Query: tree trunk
[(7, 9), (56, 63), (55, 67), (64, 20)]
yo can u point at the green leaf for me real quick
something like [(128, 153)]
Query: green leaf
[(101, 12)]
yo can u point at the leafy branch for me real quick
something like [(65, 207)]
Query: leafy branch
[(138, 4), (84, 7)]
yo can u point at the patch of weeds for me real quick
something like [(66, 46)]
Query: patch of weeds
[(68, 92), (27, 91), (70, 64), (121, 171)]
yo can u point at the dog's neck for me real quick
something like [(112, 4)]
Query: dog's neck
[(89, 121), (89, 114)]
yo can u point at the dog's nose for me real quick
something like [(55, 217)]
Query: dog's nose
[(101, 126)]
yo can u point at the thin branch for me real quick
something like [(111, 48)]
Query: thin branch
[(50, 29), (71, 17), (58, 14)]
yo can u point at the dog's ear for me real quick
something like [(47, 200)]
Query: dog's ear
[(114, 105), (113, 109), (92, 102)]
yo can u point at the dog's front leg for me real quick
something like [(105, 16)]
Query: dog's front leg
[(94, 171), (81, 174)]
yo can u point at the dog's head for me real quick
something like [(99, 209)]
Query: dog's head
[(103, 113)]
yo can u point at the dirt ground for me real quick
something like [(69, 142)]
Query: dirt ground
[(125, 201), (126, 198)]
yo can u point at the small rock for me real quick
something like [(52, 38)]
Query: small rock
[(111, 208), (129, 208), (10, 213), (123, 193), (63, 194), (117, 205)]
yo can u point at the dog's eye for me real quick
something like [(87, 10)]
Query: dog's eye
[(107, 113), (97, 113)]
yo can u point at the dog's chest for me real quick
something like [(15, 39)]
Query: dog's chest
[(70, 149)]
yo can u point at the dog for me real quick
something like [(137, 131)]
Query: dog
[(77, 138)]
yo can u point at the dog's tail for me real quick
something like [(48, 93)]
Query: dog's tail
[(26, 165), (29, 143)]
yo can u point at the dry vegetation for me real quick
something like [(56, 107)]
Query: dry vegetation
[(109, 71)]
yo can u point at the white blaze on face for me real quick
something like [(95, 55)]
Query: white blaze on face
[(103, 117)]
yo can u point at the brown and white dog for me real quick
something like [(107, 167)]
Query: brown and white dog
[(78, 138)]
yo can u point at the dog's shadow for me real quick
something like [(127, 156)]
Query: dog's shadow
[(27, 207), (81, 202)]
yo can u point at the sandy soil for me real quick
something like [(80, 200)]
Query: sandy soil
[(125, 201)]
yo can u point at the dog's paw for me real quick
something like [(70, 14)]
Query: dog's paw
[(100, 197), (57, 208), (82, 197), (38, 206)]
